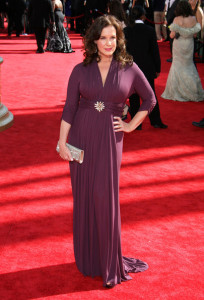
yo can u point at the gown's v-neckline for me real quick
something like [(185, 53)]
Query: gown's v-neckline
[(103, 84)]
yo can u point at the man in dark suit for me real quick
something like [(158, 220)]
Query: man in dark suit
[(16, 10), (142, 45), (40, 13), (171, 7)]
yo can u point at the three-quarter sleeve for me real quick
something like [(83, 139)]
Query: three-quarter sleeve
[(141, 86), (73, 96)]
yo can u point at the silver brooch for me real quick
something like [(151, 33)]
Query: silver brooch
[(99, 106)]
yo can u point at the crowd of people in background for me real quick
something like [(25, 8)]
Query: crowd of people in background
[(81, 13), (144, 22)]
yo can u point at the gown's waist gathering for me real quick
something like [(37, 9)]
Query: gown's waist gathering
[(101, 106)]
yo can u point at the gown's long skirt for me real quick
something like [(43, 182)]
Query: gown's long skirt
[(59, 41), (183, 83), (95, 184)]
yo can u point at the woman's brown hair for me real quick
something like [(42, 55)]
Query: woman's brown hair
[(183, 9), (94, 33)]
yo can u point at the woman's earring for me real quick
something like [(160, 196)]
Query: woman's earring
[(96, 50)]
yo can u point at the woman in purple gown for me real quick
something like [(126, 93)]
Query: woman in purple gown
[(91, 120)]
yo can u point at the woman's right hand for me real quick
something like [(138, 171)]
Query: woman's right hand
[(119, 125), (64, 152)]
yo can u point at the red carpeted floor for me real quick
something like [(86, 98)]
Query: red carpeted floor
[(161, 189)]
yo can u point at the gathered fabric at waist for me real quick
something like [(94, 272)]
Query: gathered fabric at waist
[(101, 106)]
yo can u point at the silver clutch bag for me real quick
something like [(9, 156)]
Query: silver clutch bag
[(76, 153)]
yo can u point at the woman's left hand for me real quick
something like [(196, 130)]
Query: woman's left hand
[(119, 125)]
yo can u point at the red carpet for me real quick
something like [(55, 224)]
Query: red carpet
[(162, 189)]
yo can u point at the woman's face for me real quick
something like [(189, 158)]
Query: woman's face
[(193, 3), (107, 42)]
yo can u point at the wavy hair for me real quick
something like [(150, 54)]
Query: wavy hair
[(94, 33)]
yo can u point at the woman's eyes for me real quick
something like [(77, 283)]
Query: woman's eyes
[(103, 38)]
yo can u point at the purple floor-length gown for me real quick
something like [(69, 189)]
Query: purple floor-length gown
[(95, 182)]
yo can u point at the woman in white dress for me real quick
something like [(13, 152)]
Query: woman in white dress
[(183, 83)]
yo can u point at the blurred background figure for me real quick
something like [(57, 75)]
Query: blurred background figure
[(40, 14), (68, 11), (197, 11), (142, 45), (198, 40), (58, 40), (159, 17), (143, 3), (183, 83), (93, 9), (115, 8), (148, 6), (170, 8), (3, 11), (16, 9), (63, 6), (77, 9), (127, 5), (26, 25), (168, 4)]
